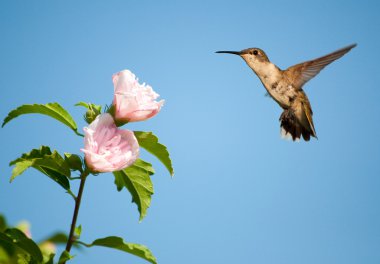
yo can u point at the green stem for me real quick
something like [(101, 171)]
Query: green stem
[(78, 199)]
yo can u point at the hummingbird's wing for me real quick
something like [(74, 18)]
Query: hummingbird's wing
[(299, 74)]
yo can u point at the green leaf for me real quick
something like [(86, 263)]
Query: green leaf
[(34, 153), (74, 161), (20, 167), (25, 259), (149, 141), (17, 238), (78, 231), (42, 159), (3, 223), (90, 106), (53, 110), (65, 256), (7, 250), (118, 243), (144, 165), (56, 176), (136, 179), (58, 238)]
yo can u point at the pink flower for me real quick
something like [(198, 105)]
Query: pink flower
[(133, 101), (108, 148)]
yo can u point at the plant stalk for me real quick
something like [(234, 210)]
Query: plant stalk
[(78, 199)]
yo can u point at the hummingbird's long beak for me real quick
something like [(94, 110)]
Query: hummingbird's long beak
[(229, 52)]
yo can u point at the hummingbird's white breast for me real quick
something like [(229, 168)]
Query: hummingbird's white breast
[(278, 88), (272, 79)]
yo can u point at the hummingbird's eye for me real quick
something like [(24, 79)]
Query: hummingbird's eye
[(254, 52)]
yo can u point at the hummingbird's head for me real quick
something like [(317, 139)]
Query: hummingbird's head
[(254, 57)]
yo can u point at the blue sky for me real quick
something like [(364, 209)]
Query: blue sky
[(240, 193)]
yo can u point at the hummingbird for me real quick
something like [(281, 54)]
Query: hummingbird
[(285, 87)]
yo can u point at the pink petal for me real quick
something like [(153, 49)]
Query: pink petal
[(108, 148)]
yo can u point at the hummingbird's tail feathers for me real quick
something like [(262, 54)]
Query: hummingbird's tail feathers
[(291, 127), (308, 113)]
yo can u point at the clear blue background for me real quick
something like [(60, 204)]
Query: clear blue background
[(240, 193)]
